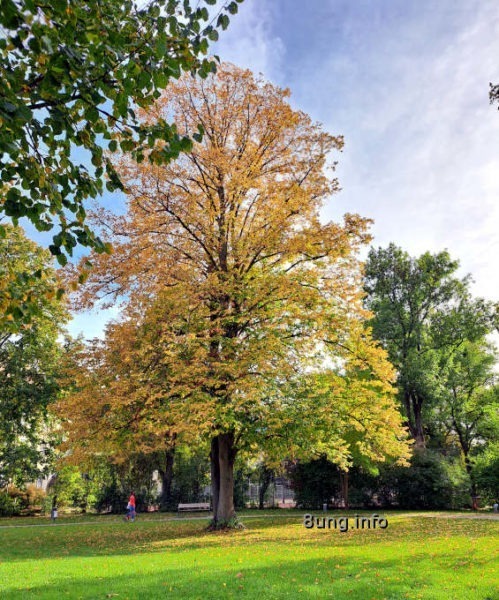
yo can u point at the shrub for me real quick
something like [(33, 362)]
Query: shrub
[(315, 483), (35, 497), (486, 472), (427, 483), (8, 507)]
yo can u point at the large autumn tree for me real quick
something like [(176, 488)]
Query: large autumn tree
[(241, 294)]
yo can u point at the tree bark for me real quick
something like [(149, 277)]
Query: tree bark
[(414, 411), (344, 487), (226, 458), (418, 422), (167, 479), (223, 455), (265, 479), (465, 448), (215, 477), (473, 487)]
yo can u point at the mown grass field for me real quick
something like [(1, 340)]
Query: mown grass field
[(275, 557)]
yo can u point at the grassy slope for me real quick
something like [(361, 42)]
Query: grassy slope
[(274, 558)]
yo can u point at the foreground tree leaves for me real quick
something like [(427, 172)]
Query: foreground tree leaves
[(243, 320), (73, 76)]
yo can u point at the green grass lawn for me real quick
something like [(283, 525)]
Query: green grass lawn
[(275, 557)]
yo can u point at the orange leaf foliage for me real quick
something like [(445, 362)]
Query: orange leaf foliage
[(234, 292)]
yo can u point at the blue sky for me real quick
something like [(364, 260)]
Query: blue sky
[(406, 83)]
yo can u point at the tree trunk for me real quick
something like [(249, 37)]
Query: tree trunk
[(344, 487), (167, 479), (418, 422), (223, 454), (465, 447), (414, 411), (215, 476), (226, 458), (265, 479), (473, 487)]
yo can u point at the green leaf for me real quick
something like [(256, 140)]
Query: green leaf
[(127, 145), (62, 259), (8, 107), (92, 114), (223, 22), (211, 33), (161, 80)]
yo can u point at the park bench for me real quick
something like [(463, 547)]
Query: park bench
[(192, 507)]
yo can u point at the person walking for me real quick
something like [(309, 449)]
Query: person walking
[(130, 516)]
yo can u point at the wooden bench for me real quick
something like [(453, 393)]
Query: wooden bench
[(193, 507)]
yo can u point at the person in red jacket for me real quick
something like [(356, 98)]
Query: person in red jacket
[(130, 515)]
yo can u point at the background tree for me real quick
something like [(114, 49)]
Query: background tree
[(223, 259), (469, 401), (29, 355), (29, 289), (432, 481), (266, 476), (133, 444), (191, 476), (422, 313)]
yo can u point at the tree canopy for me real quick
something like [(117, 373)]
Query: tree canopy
[(468, 401), (423, 314)]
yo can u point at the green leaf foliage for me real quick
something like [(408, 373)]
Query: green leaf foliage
[(31, 318), (72, 73), (423, 313)]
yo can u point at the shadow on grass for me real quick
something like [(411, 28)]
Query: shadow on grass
[(334, 577)]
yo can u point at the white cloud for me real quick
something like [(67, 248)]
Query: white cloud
[(249, 42), (422, 141)]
